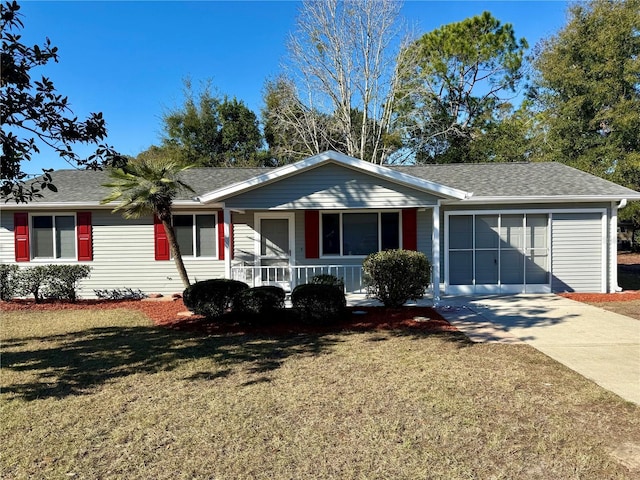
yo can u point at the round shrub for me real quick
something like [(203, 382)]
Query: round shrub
[(212, 298), (395, 276), (259, 300), (328, 279), (318, 304), (8, 281)]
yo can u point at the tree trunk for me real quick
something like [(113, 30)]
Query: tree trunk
[(175, 252)]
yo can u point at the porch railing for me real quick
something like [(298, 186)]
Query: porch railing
[(288, 277)]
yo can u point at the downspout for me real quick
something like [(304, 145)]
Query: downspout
[(613, 246)]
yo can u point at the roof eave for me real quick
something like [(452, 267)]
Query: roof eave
[(550, 199)]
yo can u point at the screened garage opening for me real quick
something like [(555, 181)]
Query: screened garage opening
[(497, 253)]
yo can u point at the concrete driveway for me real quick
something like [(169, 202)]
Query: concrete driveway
[(602, 346)]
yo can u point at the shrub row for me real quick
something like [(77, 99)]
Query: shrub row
[(319, 302), (59, 282)]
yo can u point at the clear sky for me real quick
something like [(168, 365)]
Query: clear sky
[(128, 59)]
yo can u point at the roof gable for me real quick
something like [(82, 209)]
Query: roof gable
[(310, 163)]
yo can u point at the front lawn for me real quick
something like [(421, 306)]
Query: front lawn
[(105, 394)]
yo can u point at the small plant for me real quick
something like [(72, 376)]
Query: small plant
[(328, 279), (318, 304), (62, 281), (259, 300), (212, 298), (124, 293), (8, 281), (395, 276)]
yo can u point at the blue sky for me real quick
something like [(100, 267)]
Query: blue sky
[(128, 59)]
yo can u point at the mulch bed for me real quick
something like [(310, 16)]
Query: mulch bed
[(603, 297), (166, 313)]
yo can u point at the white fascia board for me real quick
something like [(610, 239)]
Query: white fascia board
[(340, 159), (545, 199)]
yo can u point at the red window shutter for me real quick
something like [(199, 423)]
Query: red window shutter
[(221, 236), (85, 236), (312, 233), (161, 242), (21, 232), (410, 229)]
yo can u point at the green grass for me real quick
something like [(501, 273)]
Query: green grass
[(103, 394)]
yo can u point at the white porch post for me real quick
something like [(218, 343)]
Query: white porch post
[(613, 249), (227, 242), (435, 253)]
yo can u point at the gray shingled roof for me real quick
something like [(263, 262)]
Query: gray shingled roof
[(518, 179), (483, 180), (86, 185)]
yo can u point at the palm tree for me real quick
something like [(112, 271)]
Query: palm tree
[(148, 185)]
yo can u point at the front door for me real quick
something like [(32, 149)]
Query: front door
[(274, 246)]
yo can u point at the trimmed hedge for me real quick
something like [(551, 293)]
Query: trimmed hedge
[(318, 304), (395, 276), (328, 279), (58, 282), (259, 300), (62, 281), (212, 298)]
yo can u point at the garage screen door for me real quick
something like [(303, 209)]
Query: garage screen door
[(498, 253)]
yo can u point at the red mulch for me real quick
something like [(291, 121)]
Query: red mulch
[(165, 313), (603, 297)]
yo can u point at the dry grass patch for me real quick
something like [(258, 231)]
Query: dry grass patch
[(103, 394), (629, 308)]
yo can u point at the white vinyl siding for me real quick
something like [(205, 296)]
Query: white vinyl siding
[(577, 255), (123, 257)]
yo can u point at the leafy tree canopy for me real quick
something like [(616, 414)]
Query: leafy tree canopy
[(455, 83), (212, 131), (34, 113), (587, 92)]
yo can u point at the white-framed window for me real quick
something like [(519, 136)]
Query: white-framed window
[(359, 233), (196, 234), (53, 236)]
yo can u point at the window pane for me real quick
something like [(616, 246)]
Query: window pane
[(274, 235), (206, 235), (360, 233), (461, 232), (511, 231), (330, 234), (537, 231), (390, 230), (461, 268), (537, 269), (486, 267), (183, 227), (511, 267), (486, 231), (65, 237), (42, 232)]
